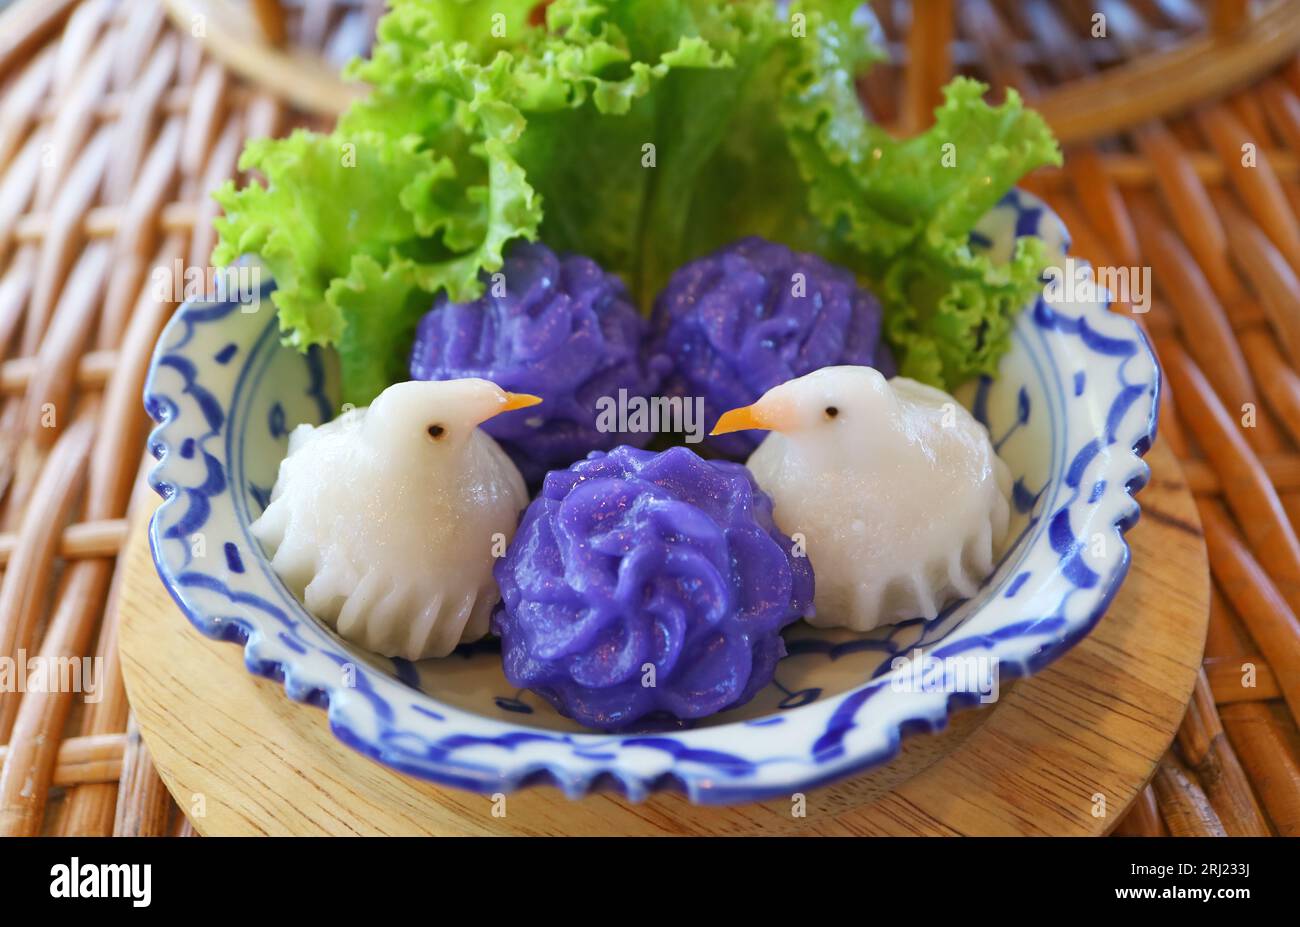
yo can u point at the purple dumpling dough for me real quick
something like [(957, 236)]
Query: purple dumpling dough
[(738, 322), (559, 328), (632, 558)]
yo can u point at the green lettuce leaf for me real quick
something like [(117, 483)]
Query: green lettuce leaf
[(642, 133), (905, 208), (327, 200)]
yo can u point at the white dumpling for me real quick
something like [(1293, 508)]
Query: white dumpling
[(896, 491), (385, 521)]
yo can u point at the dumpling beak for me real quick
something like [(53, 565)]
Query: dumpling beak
[(746, 418), (491, 403), (516, 401)]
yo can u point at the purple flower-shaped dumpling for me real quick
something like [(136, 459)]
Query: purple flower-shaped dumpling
[(560, 328), (642, 583), (755, 314)]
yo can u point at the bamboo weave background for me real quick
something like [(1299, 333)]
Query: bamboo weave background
[(114, 126)]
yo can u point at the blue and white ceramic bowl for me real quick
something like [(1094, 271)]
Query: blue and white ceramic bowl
[(1071, 411)]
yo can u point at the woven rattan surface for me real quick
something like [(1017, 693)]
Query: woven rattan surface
[(114, 125)]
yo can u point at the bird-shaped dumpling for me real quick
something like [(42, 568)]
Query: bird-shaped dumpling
[(895, 490), (386, 521)]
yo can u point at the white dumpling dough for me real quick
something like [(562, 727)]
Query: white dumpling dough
[(386, 532), (896, 489)]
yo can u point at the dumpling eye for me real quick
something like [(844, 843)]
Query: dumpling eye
[(832, 411), (436, 431)]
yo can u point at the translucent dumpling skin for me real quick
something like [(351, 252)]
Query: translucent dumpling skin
[(385, 521), (560, 327), (647, 584), (755, 314), (895, 488)]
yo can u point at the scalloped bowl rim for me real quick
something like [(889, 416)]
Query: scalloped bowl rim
[(929, 713)]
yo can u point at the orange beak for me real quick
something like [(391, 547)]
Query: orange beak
[(744, 419), (518, 401)]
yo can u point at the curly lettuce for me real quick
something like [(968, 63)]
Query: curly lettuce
[(642, 133), (905, 208)]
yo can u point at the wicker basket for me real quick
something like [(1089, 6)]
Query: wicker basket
[(115, 124)]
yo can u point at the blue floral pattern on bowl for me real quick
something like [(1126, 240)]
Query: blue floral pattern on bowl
[(1071, 411)]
